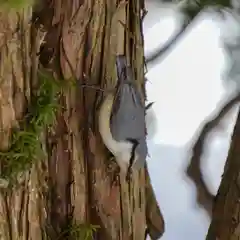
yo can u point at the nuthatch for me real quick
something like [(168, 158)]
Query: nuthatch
[(122, 121)]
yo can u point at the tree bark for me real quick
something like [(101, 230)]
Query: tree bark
[(225, 223), (71, 184)]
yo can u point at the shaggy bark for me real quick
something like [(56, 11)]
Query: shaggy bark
[(73, 183), (225, 220)]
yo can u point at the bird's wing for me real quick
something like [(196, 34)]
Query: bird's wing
[(128, 117)]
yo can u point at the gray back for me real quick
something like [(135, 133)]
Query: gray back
[(128, 117)]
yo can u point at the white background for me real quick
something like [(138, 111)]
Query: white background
[(187, 88)]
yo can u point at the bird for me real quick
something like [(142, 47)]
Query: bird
[(122, 123)]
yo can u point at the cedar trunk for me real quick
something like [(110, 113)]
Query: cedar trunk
[(72, 181), (225, 223)]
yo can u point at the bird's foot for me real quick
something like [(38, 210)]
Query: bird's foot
[(129, 175), (114, 172)]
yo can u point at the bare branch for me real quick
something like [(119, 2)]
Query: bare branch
[(173, 41), (204, 197)]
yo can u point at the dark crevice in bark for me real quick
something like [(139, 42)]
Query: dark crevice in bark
[(61, 179), (131, 29), (21, 213), (27, 221), (98, 82), (85, 137), (121, 207), (9, 221), (88, 123), (35, 35), (88, 158)]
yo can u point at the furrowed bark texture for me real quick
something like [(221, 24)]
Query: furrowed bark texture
[(74, 181), (22, 209), (225, 223)]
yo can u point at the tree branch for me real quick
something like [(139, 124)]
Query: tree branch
[(173, 41), (204, 197)]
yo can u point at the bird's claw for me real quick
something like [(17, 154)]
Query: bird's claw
[(114, 171), (129, 175)]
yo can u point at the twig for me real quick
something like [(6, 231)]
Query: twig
[(204, 197), (172, 42)]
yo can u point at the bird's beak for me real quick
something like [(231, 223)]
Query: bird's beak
[(149, 105)]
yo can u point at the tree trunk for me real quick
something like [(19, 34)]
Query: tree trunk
[(225, 223), (68, 192)]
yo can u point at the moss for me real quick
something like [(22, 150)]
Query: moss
[(16, 4), (25, 147), (79, 232)]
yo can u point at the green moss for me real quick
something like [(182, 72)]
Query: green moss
[(16, 4), (25, 147), (79, 231)]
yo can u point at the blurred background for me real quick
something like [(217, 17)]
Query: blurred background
[(188, 85)]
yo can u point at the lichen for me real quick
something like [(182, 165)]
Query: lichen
[(25, 147)]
